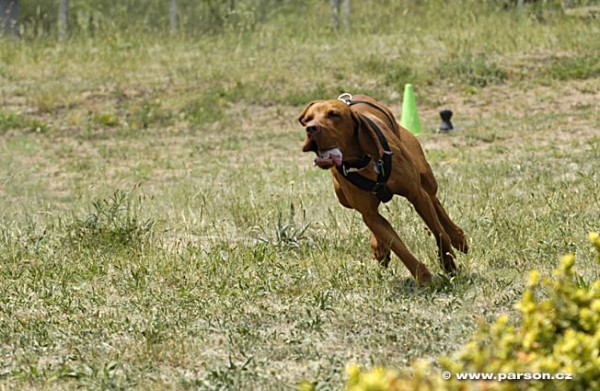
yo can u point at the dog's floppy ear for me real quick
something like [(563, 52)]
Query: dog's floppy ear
[(303, 114), (367, 138)]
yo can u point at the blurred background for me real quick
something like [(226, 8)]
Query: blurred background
[(52, 18)]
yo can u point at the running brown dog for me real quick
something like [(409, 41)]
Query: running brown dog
[(372, 158)]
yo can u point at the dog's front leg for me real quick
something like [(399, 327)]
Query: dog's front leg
[(381, 250), (383, 231)]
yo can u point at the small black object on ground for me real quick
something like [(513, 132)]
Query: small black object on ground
[(446, 125)]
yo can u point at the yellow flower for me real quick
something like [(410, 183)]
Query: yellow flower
[(353, 372), (595, 239), (565, 270), (306, 386), (377, 379), (534, 278), (502, 320)]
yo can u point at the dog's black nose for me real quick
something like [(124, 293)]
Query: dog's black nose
[(312, 129)]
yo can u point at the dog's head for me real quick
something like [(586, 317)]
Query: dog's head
[(330, 125)]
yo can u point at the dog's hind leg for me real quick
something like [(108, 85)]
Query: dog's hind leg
[(425, 208), (457, 236), (381, 251)]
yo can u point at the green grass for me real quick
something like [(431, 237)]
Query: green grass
[(13, 121), (578, 67), (475, 71), (165, 231)]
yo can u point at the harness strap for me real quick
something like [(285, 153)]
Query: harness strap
[(380, 136), (348, 167), (383, 167), (373, 105)]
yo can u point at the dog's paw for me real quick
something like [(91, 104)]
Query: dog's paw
[(424, 278)]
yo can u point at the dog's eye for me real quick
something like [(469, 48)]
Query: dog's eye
[(333, 115)]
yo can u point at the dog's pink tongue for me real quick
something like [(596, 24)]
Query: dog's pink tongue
[(331, 155)]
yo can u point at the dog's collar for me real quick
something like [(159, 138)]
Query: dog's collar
[(355, 166)]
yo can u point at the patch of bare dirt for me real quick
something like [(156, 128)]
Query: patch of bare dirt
[(574, 104)]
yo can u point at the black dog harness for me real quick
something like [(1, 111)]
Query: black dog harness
[(383, 166)]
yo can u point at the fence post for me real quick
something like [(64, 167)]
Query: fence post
[(347, 14), (63, 19), (335, 13), (173, 17), (9, 18)]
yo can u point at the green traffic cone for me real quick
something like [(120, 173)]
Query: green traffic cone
[(410, 117)]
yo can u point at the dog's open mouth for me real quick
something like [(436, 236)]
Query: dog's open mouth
[(329, 158), (326, 158), (310, 146)]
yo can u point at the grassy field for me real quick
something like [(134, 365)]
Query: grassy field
[(160, 228)]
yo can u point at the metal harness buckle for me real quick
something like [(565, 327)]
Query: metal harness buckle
[(346, 98), (349, 170), (379, 168)]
